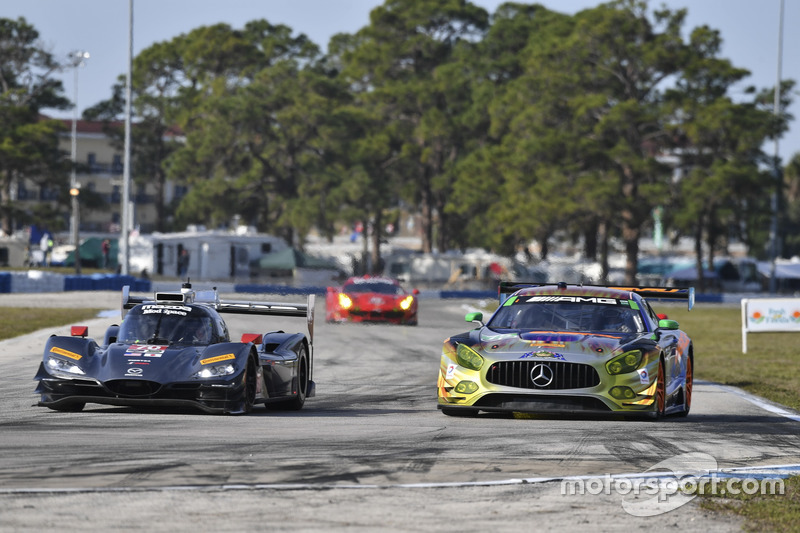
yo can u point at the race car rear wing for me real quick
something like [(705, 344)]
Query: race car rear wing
[(211, 298), (653, 293)]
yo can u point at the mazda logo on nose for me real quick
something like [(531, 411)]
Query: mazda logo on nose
[(541, 375)]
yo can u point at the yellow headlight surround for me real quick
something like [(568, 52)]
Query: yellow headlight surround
[(466, 387), (468, 358), (622, 393), (624, 363)]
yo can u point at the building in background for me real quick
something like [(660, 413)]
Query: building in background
[(99, 172)]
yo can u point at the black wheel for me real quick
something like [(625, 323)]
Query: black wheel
[(250, 377), (302, 381), (465, 413), (69, 408), (687, 388), (661, 393)]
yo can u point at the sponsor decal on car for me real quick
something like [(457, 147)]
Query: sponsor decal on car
[(217, 359), (145, 350), (547, 344), (134, 372), (576, 300), (543, 353), (66, 353), (166, 309)]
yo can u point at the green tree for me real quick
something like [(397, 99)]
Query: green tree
[(400, 67), (791, 178), (257, 138), (28, 144), (625, 60), (718, 143)]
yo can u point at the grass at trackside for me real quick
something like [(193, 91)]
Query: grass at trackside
[(16, 321), (768, 367), (778, 512)]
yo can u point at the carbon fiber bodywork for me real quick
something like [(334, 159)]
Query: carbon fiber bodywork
[(165, 368)]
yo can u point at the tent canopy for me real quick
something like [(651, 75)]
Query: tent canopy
[(289, 259), (92, 253)]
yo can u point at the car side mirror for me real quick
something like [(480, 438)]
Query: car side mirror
[(474, 317), (668, 324), (415, 292)]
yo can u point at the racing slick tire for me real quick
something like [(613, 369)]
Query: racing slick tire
[(687, 388), (296, 403), (249, 394), (661, 393)]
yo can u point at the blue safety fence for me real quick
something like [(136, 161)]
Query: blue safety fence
[(5, 282), (277, 289), (38, 281), (105, 282)]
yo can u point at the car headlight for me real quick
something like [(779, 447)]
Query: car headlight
[(468, 358), (406, 302), (64, 367), (344, 301), (624, 363), (466, 387), (216, 371)]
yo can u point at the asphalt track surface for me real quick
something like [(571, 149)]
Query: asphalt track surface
[(369, 453)]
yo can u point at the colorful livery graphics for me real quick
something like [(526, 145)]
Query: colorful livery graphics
[(570, 349)]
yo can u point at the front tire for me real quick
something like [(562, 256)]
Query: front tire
[(249, 394), (661, 393)]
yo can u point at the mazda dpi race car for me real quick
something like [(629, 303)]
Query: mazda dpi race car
[(570, 349), (175, 350)]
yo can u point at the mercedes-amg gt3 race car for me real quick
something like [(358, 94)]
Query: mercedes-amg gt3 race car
[(371, 299), (558, 348), (175, 350)]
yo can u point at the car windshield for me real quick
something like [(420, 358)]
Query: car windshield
[(163, 328), (380, 288), (562, 316)]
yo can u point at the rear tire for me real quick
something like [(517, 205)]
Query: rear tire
[(297, 402), (687, 388)]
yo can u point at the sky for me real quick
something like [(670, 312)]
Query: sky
[(749, 29)]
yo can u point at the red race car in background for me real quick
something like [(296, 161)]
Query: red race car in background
[(371, 299)]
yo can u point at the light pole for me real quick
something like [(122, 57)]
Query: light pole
[(773, 230), (77, 59)]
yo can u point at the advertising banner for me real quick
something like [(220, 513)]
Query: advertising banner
[(769, 314)]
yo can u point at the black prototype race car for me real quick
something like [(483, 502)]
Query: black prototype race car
[(175, 350)]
